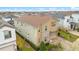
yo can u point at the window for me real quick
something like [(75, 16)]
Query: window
[(67, 20), (52, 33), (7, 34), (38, 30), (71, 17), (45, 39), (52, 24), (45, 28)]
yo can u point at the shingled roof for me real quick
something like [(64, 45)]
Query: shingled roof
[(36, 20), (3, 23)]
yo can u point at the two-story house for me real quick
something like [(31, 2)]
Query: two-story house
[(7, 37), (70, 22), (36, 28)]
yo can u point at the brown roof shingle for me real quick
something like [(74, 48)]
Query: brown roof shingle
[(35, 20)]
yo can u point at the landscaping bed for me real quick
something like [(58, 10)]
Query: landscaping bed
[(50, 47), (68, 36), (29, 42), (22, 44), (77, 29)]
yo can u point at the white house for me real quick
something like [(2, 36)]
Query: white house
[(9, 19), (7, 37), (70, 21), (76, 17)]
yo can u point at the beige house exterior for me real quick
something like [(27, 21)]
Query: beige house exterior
[(37, 28)]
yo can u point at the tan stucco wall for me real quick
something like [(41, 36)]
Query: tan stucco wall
[(42, 33)]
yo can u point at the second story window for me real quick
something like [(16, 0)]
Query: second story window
[(39, 30), (71, 17), (67, 20), (45, 28), (52, 24), (7, 34)]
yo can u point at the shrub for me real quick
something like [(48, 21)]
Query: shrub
[(78, 29), (43, 46)]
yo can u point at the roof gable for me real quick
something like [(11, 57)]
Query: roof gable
[(3, 23)]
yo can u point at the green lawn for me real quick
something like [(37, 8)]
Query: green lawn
[(27, 49), (22, 44), (55, 47), (78, 29), (67, 36)]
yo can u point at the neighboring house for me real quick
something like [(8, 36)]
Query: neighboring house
[(9, 19), (70, 22), (36, 28), (76, 19), (7, 37)]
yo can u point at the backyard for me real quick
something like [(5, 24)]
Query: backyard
[(28, 46), (68, 36), (22, 44)]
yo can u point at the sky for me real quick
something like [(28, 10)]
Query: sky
[(39, 3)]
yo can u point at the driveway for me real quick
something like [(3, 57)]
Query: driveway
[(75, 45), (67, 46)]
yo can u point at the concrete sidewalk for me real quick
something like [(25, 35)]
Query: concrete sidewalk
[(74, 33)]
